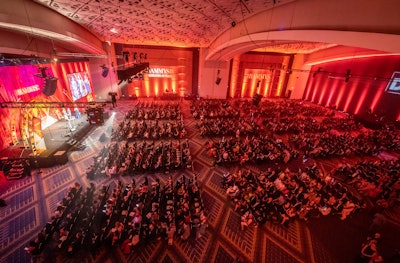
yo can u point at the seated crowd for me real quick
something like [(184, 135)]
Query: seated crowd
[(293, 125), (149, 130), (130, 158), (291, 108), (201, 109), (63, 223), (226, 127), (377, 180), (329, 144), (280, 196), (154, 111), (130, 153), (261, 149), (125, 217)]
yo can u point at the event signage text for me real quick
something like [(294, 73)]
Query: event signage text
[(161, 72), (257, 76), (26, 90)]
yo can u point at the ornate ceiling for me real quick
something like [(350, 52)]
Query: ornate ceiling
[(293, 47), (185, 23)]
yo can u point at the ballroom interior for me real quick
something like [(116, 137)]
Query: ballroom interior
[(192, 125)]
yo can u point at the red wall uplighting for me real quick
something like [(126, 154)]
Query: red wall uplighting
[(356, 86)]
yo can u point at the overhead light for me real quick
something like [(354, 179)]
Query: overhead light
[(114, 30)]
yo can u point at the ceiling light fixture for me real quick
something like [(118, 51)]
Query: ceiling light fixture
[(113, 30)]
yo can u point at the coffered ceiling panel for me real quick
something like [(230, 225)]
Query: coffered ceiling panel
[(186, 23)]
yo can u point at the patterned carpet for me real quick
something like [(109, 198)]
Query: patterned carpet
[(32, 200)]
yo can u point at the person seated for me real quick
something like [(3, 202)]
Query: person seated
[(347, 209), (233, 191), (246, 220)]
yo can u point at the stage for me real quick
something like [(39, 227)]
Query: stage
[(61, 137)]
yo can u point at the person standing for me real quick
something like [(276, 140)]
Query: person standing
[(114, 99)]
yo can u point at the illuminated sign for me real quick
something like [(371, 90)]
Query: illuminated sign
[(161, 72), (394, 84), (26, 90), (257, 76)]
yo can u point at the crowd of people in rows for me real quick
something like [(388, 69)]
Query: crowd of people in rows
[(227, 127), (376, 180), (126, 216), (281, 195), (297, 125), (255, 149), (130, 158), (287, 108), (129, 215), (149, 130), (147, 110), (209, 109), (75, 205), (330, 144), (151, 138)]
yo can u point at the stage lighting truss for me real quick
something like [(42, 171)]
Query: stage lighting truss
[(23, 105)]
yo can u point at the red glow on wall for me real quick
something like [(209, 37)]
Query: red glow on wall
[(350, 97), (322, 96), (376, 99), (363, 91), (361, 101)]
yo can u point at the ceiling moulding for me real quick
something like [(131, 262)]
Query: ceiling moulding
[(68, 39), (367, 40)]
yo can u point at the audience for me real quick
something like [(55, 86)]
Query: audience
[(125, 216), (377, 180), (152, 138), (282, 195)]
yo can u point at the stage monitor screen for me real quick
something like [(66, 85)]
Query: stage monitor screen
[(79, 85), (394, 84)]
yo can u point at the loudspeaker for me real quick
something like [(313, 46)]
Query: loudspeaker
[(50, 86), (218, 80)]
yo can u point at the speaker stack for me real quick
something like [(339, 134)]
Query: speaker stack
[(50, 86)]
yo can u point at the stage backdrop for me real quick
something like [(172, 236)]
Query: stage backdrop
[(261, 73), (170, 71), (357, 86), (22, 83)]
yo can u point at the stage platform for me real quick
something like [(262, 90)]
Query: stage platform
[(59, 139)]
